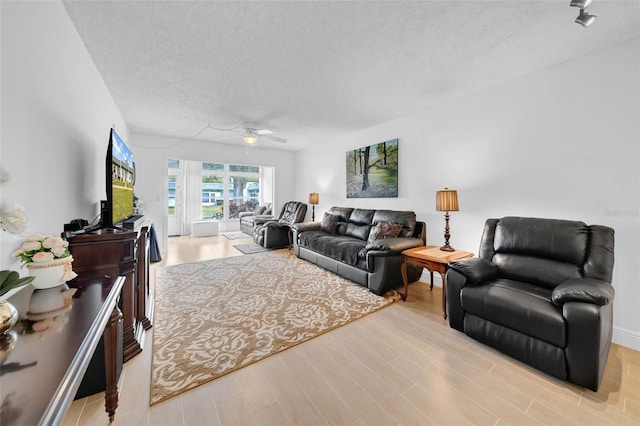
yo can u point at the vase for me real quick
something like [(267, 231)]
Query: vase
[(51, 274), (8, 316)]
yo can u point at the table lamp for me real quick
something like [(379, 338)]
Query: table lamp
[(447, 201), (314, 199)]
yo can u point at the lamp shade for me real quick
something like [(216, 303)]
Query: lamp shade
[(314, 198), (447, 200)]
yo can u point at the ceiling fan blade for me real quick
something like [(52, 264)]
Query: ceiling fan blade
[(263, 132), (275, 138)]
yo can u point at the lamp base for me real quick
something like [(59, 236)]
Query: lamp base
[(447, 247)]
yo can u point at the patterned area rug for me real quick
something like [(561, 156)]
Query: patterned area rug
[(214, 317), (250, 248)]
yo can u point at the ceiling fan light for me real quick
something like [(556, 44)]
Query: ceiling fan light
[(250, 139), (582, 4), (585, 19)]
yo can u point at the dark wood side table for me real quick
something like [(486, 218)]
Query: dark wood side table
[(435, 260)]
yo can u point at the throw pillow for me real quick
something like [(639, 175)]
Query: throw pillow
[(329, 223), (384, 230)]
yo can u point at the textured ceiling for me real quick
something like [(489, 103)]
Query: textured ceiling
[(311, 71)]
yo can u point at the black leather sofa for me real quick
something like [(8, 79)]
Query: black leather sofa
[(345, 248), (276, 232), (540, 291)]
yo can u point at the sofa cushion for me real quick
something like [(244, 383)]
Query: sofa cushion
[(342, 248), (329, 223), (361, 216), (519, 306), (384, 230), (360, 232), (343, 213), (405, 218)]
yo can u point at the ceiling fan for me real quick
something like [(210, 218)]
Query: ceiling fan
[(250, 133)]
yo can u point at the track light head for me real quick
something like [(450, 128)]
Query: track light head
[(585, 19)]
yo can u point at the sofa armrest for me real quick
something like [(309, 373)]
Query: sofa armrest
[(245, 214), (475, 270), (306, 226), (392, 246), (587, 290)]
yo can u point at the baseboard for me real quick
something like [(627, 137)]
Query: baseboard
[(627, 338)]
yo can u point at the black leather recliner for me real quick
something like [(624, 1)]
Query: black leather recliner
[(540, 291), (276, 232)]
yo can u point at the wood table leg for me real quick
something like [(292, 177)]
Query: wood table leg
[(111, 363), (444, 294), (403, 270)]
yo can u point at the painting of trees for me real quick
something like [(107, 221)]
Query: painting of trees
[(372, 171)]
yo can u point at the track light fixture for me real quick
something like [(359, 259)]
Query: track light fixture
[(585, 19)]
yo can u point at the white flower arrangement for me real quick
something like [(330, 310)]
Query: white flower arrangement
[(12, 218), (40, 248)]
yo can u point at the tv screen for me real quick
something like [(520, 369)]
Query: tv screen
[(121, 169)]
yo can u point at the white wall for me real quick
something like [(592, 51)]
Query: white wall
[(56, 113), (560, 143), (152, 152)]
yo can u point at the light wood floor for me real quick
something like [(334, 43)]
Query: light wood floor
[(400, 365)]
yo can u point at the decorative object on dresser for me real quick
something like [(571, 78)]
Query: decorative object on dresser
[(220, 315), (314, 198), (447, 201), (47, 259), (361, 245), (540, 291)]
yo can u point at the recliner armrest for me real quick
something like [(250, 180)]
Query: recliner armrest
[(392, 246), (587, 290), (306, 226), (261, 220), (475, 270), (276, 224)]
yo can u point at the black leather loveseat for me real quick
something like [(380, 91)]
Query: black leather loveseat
[(540, 291), (358, 244)]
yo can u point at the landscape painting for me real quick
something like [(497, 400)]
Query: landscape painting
[(372, 171)]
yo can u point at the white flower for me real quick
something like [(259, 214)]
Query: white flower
[(43, 256), (31, 245), (51, 242), (12, 218)]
